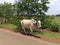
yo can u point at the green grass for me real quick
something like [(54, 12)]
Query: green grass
[(49, 34), (57, 21), (9, 26)]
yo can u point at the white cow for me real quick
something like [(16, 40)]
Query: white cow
[(30, 23)]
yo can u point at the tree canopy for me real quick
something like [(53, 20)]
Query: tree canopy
[(32, 7)]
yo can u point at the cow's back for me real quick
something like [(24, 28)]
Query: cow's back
[(27, 23)]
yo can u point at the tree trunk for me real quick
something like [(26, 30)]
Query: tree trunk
[(3, 20)]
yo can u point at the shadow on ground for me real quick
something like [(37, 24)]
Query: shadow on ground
[(31, 34)]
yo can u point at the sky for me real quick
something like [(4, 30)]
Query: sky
[(54, 6), (9, 1)]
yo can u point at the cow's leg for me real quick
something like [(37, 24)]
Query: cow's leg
[(24, 30), (31, 30)]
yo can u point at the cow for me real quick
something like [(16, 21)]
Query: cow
[(30, 24)]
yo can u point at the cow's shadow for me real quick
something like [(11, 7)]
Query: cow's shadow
[(30, 34)]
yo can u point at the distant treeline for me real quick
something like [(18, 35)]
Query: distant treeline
[(58, 15)]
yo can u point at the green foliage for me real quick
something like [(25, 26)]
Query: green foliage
[(55, 25), (54, 28), (46, 22), (6, 10), (57, 21), (16, 21), (32, 7), (48, 34)]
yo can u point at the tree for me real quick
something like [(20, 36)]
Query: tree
[(6, 11), (36, 8), (32, 7)]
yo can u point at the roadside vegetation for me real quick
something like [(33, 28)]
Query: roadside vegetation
[(56, 20), (12, 14), (8, 26), (54, 35), (49, 34)]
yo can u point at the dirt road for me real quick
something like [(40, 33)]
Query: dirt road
[(11, 38)]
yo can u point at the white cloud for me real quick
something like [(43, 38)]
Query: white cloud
[(52, 2), (54, 7), (8, 1)]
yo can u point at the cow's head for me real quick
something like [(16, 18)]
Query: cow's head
[(39, 24)]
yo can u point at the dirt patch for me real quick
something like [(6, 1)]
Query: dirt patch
[(50, 39), (7, 29)]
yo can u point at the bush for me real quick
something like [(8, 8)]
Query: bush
[(18, 24), (45, 24), (16, 21), (46, 21), (54, 28)]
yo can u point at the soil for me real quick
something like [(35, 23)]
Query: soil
[(50, 39)]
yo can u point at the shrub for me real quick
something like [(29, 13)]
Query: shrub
[(54, 28), (16, 21)]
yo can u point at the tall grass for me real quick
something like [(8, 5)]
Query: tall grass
[(56, 20)]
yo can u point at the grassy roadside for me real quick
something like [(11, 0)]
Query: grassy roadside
[(57, 21), (54, 35), (10, 26)]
